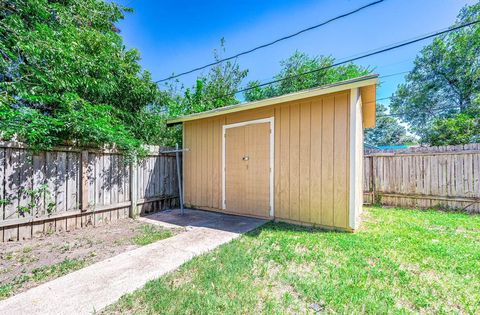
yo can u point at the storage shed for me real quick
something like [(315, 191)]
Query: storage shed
[(295, 158)]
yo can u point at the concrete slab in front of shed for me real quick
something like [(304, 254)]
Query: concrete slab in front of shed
[(205, 219), (92, 288)]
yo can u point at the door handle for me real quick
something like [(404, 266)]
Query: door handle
[(245, 158)]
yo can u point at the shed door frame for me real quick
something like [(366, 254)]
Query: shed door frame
[(270, 120)]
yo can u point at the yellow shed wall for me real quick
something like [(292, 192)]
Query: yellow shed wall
[(311, 169)]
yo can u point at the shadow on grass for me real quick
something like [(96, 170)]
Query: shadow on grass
[(277, 227)]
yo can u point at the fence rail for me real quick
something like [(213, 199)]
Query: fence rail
[(446, 176), (68, 188)]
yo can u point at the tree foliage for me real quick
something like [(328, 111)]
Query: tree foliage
[(216, 88), (444, 83), (457, 128), (388, 131), (290, 79), (66, 77)]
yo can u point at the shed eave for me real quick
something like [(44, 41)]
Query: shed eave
[(325, 89)]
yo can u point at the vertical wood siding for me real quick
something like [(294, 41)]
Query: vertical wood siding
[(311, 159), (202, 163)]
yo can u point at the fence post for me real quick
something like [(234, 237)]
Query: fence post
[(84, 181), (372, 184), (133, 189), (179, 179)]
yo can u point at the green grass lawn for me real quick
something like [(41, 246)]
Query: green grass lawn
[(401, 261), (150, 234)]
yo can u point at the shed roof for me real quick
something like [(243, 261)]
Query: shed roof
[(325, 89)]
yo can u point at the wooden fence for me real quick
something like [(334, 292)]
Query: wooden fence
[(424, 177), (68, 188)]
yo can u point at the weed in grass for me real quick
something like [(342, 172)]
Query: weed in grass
[(60, 269), (5, 290), (7, 256), (27, 258), (121, 242), (66, 247), (40, 275), (149, 234)]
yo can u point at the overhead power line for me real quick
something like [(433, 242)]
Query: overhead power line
[(434, 111), (393, 74), (272, 42), (399, 114), (372, 53)]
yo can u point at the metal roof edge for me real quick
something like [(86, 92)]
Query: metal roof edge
[(324, 89)]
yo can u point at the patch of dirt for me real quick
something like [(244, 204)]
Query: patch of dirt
[(302, 269), (272, 287), (28, 263), (431, 276), (182, 278), (404, 304), (301, 250), (410, 267), (366, 218), (372, 261)]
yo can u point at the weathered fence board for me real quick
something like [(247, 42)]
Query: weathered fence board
[(67, 188), (446, 176)]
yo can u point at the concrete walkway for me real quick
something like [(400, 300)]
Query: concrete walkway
[(92, 288)]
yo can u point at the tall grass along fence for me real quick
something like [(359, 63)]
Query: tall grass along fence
[(426, 177), (68, 188)]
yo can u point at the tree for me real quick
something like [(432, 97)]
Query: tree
[(66, 77), (458, 128), (388, 131), (444, 82), (216, 88), (290, 78)]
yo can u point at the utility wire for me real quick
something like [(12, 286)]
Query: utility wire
[(375, 52), (406, 113), (393, 74), (399, 114), (272, 42), (383, 98), (129, 3)]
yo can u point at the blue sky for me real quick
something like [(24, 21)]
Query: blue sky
[(174, 36)]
